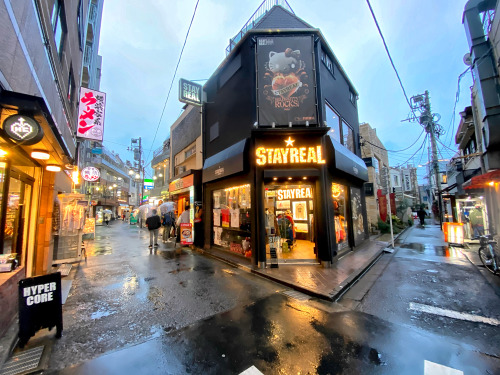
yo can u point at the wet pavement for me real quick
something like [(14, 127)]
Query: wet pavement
[(177, 311)]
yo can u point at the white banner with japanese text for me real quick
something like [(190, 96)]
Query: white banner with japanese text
[(91, 114)]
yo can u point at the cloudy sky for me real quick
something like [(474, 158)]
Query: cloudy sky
[(141, 42)]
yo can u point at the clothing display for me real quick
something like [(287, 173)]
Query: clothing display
[(73, 217)]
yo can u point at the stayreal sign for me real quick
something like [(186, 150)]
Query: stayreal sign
[(190, 92)]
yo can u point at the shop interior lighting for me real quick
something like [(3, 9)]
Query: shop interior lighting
[(53, 168), (289, 178), (481, 197), (2, 152), (304, 178), (40, 155), (275, 178), (491, 183)]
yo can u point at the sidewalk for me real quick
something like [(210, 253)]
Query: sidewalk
[(327, 283)]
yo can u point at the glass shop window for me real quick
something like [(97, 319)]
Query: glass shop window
[(348, 136), (333, 121), (231, 219), (339, 193)]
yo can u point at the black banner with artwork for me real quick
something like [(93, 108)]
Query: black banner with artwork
[(285, 79)]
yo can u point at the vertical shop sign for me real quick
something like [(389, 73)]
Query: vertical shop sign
[(186, 233), (91, 114), (40, 305), (407, 180), (285, 78), (382, 205)]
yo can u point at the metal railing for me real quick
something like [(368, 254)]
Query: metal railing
[(265, 7)]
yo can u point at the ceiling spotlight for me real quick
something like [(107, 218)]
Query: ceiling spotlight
[(289, 178), (2, 152), (40, 155), (304, 178), (53, 168), (275, 178)]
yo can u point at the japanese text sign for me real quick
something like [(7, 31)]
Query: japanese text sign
[(91, 114), (91, 174)]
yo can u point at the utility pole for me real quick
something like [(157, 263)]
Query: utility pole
[(429, 122)]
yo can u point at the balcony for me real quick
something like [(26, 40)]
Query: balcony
[(265, 7), (160, 154)]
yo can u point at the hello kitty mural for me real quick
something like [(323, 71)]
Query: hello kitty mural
[(285, 81)]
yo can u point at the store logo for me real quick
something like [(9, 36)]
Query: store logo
[(302, 193), (90, 174), (289, 154), (23, 129)]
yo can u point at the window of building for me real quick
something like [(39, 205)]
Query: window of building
[(339, 193), (214, 131), (327, 61), (395, 180), (59, 26), (376, 166), (80, 23), (352, 97), (348, 136), (333, 121), (71, 88), (231, 219), (190, 152)]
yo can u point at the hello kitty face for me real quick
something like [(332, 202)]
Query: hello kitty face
[(284, 62)]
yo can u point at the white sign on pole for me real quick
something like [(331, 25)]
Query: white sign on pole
[(384, 176), (91, 114)]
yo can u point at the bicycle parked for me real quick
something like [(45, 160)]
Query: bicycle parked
[(488, 253)]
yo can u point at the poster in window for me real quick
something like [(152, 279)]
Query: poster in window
[(299, 210), (217, 199), (286, 80), (235, 218), (226, 217), (357, 216), (283, 205), (217, 235), (217, 217)]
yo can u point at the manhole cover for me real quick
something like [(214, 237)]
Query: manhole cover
[(24, 361)]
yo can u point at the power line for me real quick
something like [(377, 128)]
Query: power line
[(423, 151), (173, 79), (457, 98), (442, 144), (421, 146), (383, 148), (390, 58)]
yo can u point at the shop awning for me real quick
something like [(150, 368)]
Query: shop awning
[(227, 162), (346, 161), (483, 181)]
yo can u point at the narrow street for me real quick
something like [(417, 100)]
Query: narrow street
[(132, 310)]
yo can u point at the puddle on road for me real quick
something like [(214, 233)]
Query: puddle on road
[(443, 251), (101, 313)]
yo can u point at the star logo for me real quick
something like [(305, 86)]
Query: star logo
[(289, 142)]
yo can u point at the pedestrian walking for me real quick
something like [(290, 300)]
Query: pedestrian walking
[(168, 222), (476, 221), (421, 215), (107, 218), (183, 218), (153, 223)]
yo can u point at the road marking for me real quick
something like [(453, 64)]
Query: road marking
[(453, 314), (431, 368), (251, 371)]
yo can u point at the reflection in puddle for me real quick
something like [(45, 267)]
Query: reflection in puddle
[(444, 251)]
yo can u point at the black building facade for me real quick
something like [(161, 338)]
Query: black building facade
[(282, 173)]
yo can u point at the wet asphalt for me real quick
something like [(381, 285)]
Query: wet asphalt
[(135, 311)]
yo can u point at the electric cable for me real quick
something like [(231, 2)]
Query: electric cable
[(457, 98), (390, 58), (404, 149), (423, 151), (421, 146), (172, 83)]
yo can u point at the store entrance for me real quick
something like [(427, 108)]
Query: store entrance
[(289, 222)]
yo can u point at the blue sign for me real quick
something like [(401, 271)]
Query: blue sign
[(97, 150)]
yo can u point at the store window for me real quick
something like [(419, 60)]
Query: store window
[(339, 193), (231, 219), (348, 136), (333, 121), (357, 216)]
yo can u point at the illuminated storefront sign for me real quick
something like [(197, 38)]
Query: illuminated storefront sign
[(91, 114), (181, 183), (300, 193), (289, 154), (23, 129), (189, 92), (90, 174)]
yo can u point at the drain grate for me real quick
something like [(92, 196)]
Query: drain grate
[(65, 269), (296, 295), (22, 362)]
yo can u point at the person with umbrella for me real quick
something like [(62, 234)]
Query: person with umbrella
[(153, 223), (107, 216)]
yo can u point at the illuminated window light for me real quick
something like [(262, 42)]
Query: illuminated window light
[(40, 155), (53, 168)]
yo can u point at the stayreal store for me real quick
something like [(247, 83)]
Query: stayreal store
[(282, 171)]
